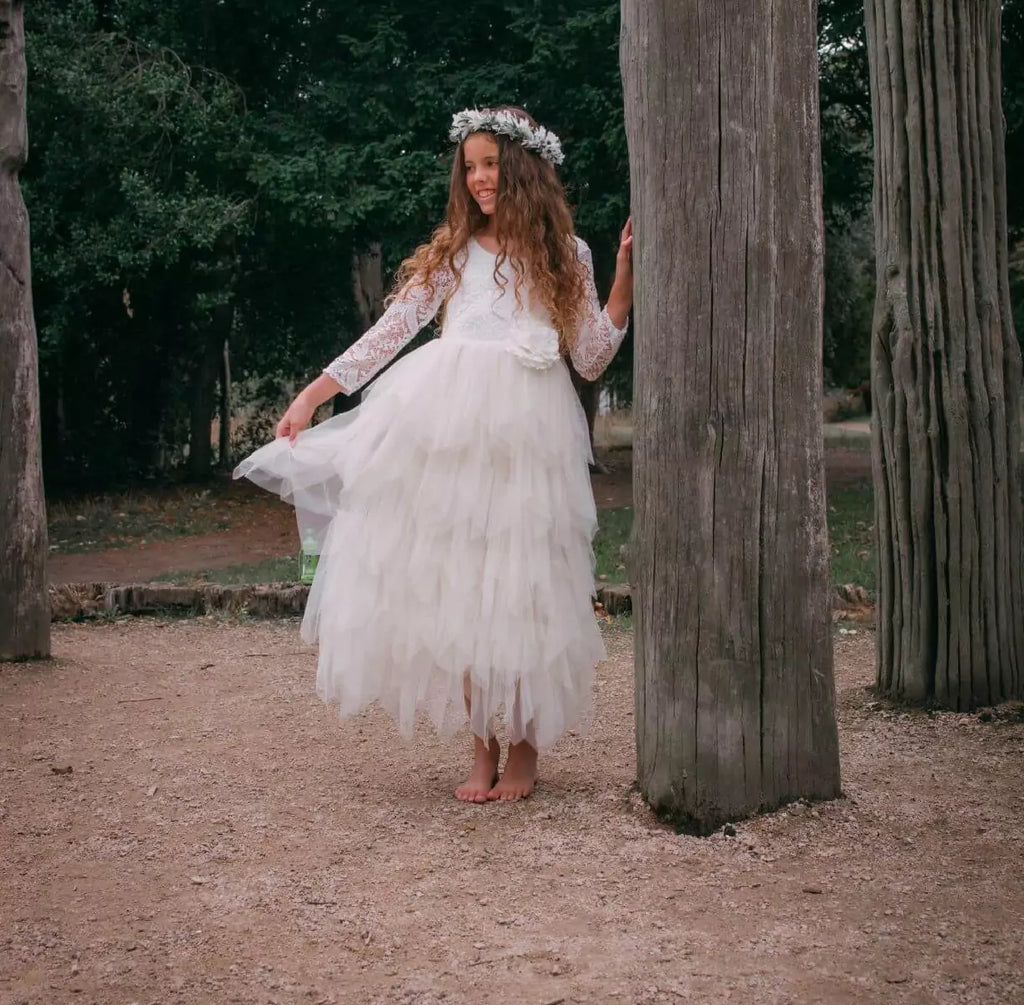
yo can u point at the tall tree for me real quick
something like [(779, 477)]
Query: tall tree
[(734, 689), (946, 366), (24, 605)]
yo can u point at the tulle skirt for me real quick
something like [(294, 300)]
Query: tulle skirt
[(454, 517)]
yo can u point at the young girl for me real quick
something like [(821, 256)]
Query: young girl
[(453, 508)]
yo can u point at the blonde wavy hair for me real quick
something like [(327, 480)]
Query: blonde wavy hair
[(535, 233)]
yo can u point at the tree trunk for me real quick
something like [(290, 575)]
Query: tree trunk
[(368, 284), (203, 402), (946, 366), (24, 602), (587, 391), (368, 294), (210, 376), (224, 446), (734, 689)]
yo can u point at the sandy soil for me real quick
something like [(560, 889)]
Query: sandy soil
[(181, 821), (263, 527)]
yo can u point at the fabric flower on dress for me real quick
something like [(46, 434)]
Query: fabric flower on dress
[(533, 343)]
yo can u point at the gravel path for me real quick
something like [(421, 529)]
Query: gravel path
[(181, 821)]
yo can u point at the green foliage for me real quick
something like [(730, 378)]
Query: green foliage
[(846, 144), (851, 535), (849, 302), (846, 156), (610, 543), (113, 521), (201, 156), (1013, 110), (207, 169), (133, 192), (267, 570)]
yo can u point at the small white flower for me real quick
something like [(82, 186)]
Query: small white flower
[(533, 342), (541, 141)]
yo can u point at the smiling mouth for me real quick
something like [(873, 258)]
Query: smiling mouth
[(484, 196)]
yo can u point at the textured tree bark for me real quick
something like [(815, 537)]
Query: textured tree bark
[(946, 366), (368, 293), (368, 284), (24, 602), (204, 402), (734, 687), (224, 440)]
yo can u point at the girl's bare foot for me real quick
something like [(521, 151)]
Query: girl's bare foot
[(520, 775), (480, 783)]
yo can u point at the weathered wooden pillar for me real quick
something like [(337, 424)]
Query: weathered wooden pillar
[(24, 602), (734, 688)]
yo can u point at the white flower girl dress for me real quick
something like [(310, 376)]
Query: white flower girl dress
[(454, 513)]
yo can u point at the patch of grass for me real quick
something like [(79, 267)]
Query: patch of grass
[(841, 438), (851, 532), (113, 521), (269, 570), (850, 524), (614, 526)]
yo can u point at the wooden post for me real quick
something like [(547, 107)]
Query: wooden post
[(946, 365), (734, 688), (24, 603)]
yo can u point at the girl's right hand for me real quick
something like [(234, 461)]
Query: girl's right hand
[(296, 418), (624, 257)]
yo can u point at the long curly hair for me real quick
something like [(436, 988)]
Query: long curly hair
[(535, 235)]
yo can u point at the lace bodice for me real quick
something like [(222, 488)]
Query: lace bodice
[(478, 309)]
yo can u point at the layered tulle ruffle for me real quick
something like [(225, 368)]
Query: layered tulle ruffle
[(454, 517)]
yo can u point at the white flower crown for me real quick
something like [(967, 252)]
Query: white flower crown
[(541, 141)]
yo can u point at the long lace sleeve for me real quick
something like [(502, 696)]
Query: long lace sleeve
[(597, 339), (411, 310)]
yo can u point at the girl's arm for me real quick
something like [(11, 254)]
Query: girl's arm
[(410, 311), (602, 331)]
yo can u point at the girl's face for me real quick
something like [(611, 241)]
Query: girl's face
[(480, 152)]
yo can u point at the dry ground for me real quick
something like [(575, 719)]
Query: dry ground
[(181, 821)]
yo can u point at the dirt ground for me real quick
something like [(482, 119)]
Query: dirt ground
[(182, 821), (263, 527)]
